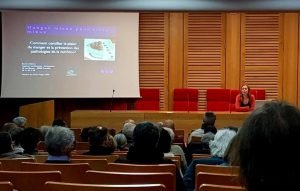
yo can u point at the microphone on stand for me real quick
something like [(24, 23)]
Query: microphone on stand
[(111, 101)]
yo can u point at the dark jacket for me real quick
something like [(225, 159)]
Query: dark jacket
[(144, 156)]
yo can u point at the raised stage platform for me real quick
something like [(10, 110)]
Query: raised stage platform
[(183, 120)]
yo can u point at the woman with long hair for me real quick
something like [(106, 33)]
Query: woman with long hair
[(245, 101)]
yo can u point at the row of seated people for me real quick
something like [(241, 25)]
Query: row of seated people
[(126, 134), (186, 99), (59, 142), (272, 128), (94, 131), (26, 139)]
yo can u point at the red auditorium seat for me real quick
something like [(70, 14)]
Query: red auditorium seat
[(218, 99), (185, 99), (149, 99), (260, 94), (233, 94)]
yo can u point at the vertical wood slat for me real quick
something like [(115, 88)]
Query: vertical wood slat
[(204, 52), (262, 52), (176, 63), (290, 60), (233, 50), (153, 53)]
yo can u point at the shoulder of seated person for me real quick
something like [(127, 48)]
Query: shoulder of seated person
[(197, 132)]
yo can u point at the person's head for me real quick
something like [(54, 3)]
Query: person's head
[(5, 142), (121, 141), (112, 131), (100, 137), (7, 126), (164, 141), (97, 135), (59, 141), (171, 133), (15, 135), (268, 143), (170, 124), (44, 129), (209, 118), (20, 121), (129, 121), (245, 91), (84, 135), (29, 139), (208, 124), (59, 122), (128, 129), (145, 136), (221, 141), (160, 124)]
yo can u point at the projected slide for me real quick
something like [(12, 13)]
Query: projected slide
[(64, 54)]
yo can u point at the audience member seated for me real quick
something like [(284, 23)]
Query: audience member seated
[(59, 122), (245, 101), (121, 141), (29, 138), (44, 129), (15, 133), (84, 135), (170, 124), (6, 148), (101, 142), (208, 126), (164, 142), (59, 143), (206, 133), (7, 126), (145, 149), (177, 150), (127, 130), (266, 150), (112, 131), (231, 157), (217, 149), (20, 121)]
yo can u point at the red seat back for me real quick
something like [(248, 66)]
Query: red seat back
[(233, 94), (218, 99), (259, 94), (185, 99), (149, 99)]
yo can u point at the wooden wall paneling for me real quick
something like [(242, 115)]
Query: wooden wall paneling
[(298, 96), (204, 52), (176, 67), (233, 50), (262, 52), (290, 65), (114, 119), (183, 120), (153, 53), (37, 114)]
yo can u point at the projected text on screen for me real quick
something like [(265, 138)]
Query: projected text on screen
[(52, 54)]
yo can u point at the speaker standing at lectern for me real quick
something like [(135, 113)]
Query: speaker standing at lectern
[(245, 101)]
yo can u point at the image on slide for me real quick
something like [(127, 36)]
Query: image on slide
[(99, 49)]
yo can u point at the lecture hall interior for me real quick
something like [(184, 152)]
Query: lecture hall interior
[(183, 44)]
